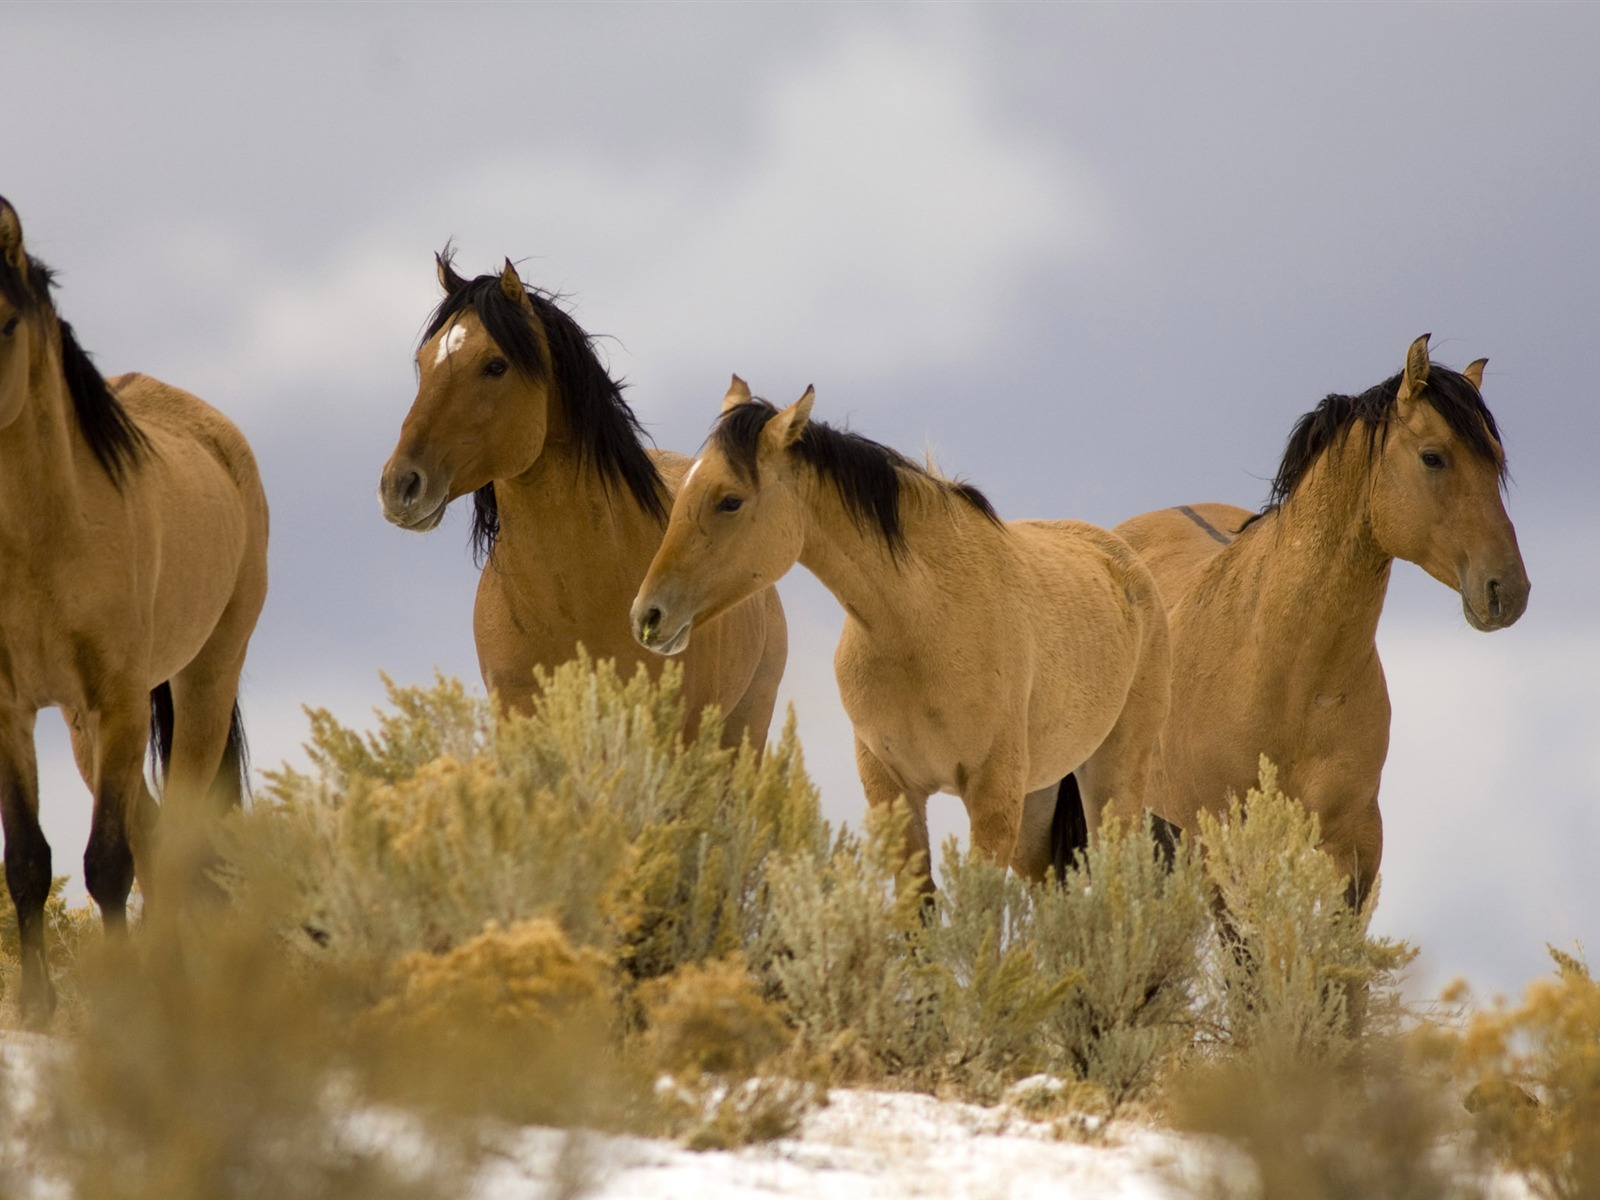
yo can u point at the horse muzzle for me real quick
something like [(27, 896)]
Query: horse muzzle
[(1497, 602), (410, 499), (657, 631)]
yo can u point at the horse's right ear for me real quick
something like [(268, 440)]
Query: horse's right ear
[(1415, 377), (784, 430), (448, 279), (738, 393), (11, 238)]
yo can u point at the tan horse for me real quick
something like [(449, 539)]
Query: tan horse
[(133, 547), (1274, 616), (514, 408), (979, 657)]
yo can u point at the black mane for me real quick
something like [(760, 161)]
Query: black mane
[(607, 433), (1451, 394), (867, 475), (118, 444)]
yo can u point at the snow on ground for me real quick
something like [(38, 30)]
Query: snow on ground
[(863, 1146)]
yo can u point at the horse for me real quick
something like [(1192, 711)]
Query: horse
[(515, 408), (133, 542), (1274, 614), (979, 657)]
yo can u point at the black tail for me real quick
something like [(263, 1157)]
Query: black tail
[(1069, 830), (233, 776), (160, 734)]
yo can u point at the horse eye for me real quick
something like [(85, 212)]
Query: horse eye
[(1432, 459), (729, 504), (495, 368), (10, 326)]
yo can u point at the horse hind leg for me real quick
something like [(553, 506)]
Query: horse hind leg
[(27, 865)]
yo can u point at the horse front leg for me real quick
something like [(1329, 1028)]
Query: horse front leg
[(27, 862), (883, 788), (121, 829), (994, 798)]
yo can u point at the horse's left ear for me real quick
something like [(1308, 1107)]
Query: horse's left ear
[(1415, 377), (1474, 372), (784, 430), (11, 238), (511, 286)]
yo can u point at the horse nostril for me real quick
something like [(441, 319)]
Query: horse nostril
[(411, 490), (1495, 607), (647, 626)]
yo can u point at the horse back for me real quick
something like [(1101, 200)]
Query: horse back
[(1177, 543)]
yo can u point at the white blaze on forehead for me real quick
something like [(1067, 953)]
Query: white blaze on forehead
[(450, 343), (693, 467)]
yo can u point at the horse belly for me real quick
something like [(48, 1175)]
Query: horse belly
[(202, 547)]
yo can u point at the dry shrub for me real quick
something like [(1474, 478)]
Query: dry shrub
[(515, 1022), (1132, 926), (994, 995), (206, 1067), (711, 1019), (592, 811), (1293, 966), (841, 946), (1533, 1077), (1310, 1133), (1093, 980)]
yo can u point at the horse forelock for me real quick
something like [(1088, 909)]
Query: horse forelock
[(604, 429), (868, 476), (1449, 393)]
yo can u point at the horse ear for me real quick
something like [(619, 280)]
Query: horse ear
[(738, 393), (449, 281), (1474, 372), (511, 287), (1415, 377), (784, 430), (11, 238)]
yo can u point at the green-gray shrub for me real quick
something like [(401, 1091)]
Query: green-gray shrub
[(1292, 965)]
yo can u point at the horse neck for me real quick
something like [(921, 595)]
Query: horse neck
[(42, 449), (559, 510), (1325, 574), (885, 595)]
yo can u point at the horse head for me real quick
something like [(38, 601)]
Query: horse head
[(735, 528), (483, 409), (1436, 490)]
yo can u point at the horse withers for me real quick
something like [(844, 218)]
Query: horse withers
[(979, 657), (133, 549)]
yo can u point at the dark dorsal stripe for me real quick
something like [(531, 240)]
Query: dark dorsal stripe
[(118, 444), (868, 476), (1205, 524), (605, 430)]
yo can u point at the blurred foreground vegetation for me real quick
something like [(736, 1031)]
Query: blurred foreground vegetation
[(456, 925)]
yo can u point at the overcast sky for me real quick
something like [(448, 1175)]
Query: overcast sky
[(1099, 258)]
